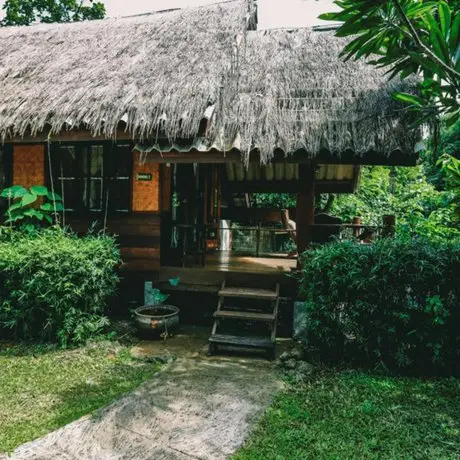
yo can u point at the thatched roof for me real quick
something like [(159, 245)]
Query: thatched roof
[(140, 69), (301, 95), (160, 74)]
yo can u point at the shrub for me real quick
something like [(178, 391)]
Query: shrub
[(394, 303), (54, 285)]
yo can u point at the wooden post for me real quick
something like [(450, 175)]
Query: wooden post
[(258, 240), (356, 221), (305, 213), (389, 224)]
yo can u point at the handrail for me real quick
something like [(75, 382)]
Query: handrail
[(276, 229), (199, 241)]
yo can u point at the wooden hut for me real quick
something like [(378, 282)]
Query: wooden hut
[(154, 125)]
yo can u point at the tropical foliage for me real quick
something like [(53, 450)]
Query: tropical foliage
[(420, 209), (26, 12), (54, 286), (425, 199), (29, 206), (409, 37), (394, 303)]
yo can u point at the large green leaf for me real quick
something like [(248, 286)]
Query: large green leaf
[(408, 98), (53, 196), (452, 118), (439, 45), (14, 218), (34, 213), (419, 9), (16, 191), (28, 199), (48, 207), (444, 18), (39, 190), (437, 42), (454, 39)]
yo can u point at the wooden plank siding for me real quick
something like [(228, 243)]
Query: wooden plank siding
[(29, 165), (139, 236), (138, 231), (145, 193)]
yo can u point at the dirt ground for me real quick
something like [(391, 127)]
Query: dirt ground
[(192, 342), (199, 407)]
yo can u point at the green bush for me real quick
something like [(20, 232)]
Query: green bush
[(54, 285), (395, 303)]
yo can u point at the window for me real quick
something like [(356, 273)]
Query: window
[(121, 162), (93, 177)]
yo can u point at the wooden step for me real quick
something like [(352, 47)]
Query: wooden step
[(248, 293), (244, 315), (235, 340)]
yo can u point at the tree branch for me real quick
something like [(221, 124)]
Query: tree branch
[(419, 42)]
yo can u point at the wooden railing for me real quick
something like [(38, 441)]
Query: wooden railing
[(199, 239)]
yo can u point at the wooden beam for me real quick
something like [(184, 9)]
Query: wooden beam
[(349, 157), (194, 156), (299, 157), (305, 214), (394, 158), (69, 136), (289, 186)]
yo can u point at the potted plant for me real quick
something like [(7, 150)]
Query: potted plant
[(158, 317)]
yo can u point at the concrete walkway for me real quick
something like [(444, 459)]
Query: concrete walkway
[(197, 408)]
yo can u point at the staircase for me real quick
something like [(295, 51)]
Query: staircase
[(252, 312)]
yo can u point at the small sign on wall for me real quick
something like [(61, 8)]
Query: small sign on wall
[(144, 176)]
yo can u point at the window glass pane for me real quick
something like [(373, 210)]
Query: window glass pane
[(95, 194), (120, 194), (93, 172), (66, 164), (70, 190), (97, 161), (123, 160), (65, 161)]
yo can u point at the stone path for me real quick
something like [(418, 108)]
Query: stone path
[(194, 409)]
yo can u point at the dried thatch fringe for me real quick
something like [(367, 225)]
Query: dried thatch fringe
[(97, 72), (160, 72), (294, 92)]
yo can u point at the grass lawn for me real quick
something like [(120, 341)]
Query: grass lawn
[(42, 389), (357, 416)]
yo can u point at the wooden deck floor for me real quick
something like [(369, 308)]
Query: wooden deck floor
[(225, 261), (235, 270)]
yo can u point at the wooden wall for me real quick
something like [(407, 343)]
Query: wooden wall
[(29, 165), (165, 182), (138, 235), (146, 193), (138, 232)]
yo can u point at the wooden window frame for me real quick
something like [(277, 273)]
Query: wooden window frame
[(108, 177), (7, 159)]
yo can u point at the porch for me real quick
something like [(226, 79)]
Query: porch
[(234, 269), (252, 255)]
